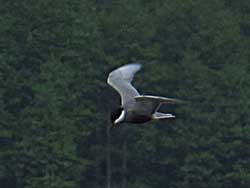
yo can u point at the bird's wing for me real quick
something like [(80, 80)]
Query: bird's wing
[(152, 103), (158, 99), (120, 79)]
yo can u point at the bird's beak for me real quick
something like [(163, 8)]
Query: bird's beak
[(113, 125)]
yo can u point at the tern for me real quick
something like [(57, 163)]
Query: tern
[(135, 108)]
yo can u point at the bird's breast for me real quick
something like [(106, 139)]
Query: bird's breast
[(134, 117)]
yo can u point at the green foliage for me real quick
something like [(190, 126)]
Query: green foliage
[(54, 101)]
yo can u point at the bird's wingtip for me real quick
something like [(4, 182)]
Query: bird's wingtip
[(137, 65)]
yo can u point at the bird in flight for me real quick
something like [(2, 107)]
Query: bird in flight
[(135, 108)]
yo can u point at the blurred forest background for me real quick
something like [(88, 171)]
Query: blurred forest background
[(55, 57)]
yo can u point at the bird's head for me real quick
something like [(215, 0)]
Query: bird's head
[(117, 116)]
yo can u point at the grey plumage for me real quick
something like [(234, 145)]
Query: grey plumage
[(136, 108), (120, 79)]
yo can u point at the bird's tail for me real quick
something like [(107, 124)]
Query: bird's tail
[(159, 115)]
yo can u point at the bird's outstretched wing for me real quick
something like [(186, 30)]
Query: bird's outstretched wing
[(120, 79), (153, 103), (158, 99)]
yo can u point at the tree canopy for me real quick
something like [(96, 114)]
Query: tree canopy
[(55, 57)]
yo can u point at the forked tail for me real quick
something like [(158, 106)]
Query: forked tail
[(159, 115)]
